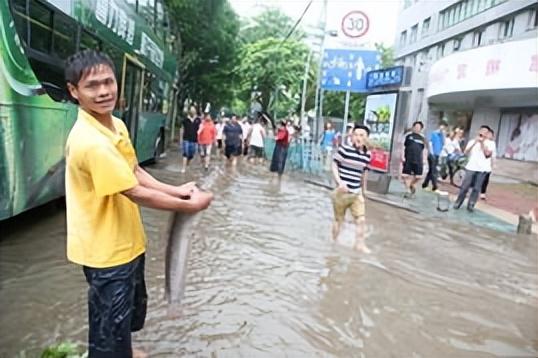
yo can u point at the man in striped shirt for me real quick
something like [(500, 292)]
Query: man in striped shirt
[(349, 171)]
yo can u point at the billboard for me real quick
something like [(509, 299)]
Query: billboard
[(517, 136), (345, 70), (379, 117)]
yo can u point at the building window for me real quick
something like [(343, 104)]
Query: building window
[(457, 44), (440, 50), (403, 38), (533, 19), (506, 28), (426, 26), (478, 37), (463, 10), (413, 36)]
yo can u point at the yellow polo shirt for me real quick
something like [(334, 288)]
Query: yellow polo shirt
[(104, 227)]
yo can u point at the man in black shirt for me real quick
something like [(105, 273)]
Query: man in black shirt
[(413, 158), (233, 138), (190, 125)]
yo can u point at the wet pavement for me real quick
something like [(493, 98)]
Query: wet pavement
[(265, 280)]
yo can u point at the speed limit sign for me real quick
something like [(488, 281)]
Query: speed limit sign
[(355, 24)]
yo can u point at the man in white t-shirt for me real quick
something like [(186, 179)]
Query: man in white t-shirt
[(220, 127), (479, 151), (245, 126), (492, 161), (256, 141)]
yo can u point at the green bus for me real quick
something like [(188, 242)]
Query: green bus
[(36, 36)]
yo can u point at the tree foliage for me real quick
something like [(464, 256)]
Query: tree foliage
[(208, 31), (334, 102), (274, 69), (268, 65), (387, 54), (272, 22)]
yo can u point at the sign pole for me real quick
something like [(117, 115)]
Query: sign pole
[(346, 113), (321, 123)]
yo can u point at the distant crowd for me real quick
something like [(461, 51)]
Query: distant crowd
[(233, 138)]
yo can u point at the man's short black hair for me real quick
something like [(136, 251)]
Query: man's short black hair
[(360, 126), (419, 122), (443, 123), (487, 127), (81, 63)]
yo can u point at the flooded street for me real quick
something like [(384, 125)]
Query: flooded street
[(265, 280)]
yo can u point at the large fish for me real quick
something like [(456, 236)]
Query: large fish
[(177, 254), (181, 229)]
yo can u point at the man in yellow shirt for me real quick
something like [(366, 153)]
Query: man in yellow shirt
[(104, 186)]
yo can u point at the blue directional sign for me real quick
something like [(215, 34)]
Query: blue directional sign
[(345, 70), (386, 77)]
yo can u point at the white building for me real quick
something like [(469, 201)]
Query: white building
[(473, 62)]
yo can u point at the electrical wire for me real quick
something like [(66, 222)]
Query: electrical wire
[(296, 23)]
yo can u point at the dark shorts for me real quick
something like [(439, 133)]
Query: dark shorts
[(232, 150), (205, 149), (188, 149), (256, 152), (219, 143), (412, 168), (117, 302)]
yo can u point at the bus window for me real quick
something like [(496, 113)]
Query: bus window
[(165, 93), (159, 24), (147, 9), (88, 41), (40, 28), (64, 28), (21, 19), (116, 56), (149, 97)]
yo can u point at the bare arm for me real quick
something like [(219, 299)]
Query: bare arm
[(159, 200), (487, 152), (340, 186), (364, 182), (469, 147), (146, 180)]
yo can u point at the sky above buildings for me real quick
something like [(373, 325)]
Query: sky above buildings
[(382, 17)]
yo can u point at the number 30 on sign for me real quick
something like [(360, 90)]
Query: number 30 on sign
[(355, 24)]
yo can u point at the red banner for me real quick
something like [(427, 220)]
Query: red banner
[(379, 160)]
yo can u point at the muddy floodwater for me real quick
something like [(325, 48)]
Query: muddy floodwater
[(265, 280)]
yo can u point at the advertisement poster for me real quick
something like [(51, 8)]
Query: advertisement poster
[(517, 137), (379, 117)]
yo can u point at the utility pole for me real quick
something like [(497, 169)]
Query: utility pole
[(346, 112), (305, 80), (319, 96)]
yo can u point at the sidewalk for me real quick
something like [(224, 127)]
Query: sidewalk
[(507, 199)]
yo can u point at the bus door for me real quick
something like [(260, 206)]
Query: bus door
[(131, 94)]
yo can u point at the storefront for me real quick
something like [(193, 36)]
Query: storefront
[(492, 85)]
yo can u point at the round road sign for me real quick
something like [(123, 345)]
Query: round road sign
[(355, 24)]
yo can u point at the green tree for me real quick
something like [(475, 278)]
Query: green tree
[(207, 50), (334, 102), (387, 55), (272, 22), (274, 69)]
